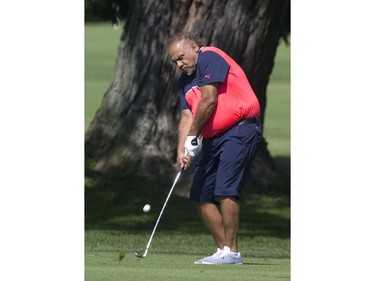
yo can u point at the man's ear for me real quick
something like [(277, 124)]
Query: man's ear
[(195, 47)]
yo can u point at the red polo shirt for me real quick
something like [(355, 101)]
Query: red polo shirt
[(236, 99)]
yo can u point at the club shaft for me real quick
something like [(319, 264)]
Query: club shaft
[(161, 212)]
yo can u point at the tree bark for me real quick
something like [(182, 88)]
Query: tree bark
[(134, 132)]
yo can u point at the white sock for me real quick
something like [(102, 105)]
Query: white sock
[(227, 249)]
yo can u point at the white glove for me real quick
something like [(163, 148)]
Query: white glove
[(192, 145)]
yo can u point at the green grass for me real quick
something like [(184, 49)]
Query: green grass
[(277, 117), (101, 44), (161, 267), (116, 226)]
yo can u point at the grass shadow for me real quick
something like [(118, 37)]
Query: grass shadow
[(114, 205), (283, 163)]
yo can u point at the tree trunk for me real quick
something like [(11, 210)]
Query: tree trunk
[(134, 133)]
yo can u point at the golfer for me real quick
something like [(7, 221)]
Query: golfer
[(219, 113)]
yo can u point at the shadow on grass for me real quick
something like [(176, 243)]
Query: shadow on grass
[(283, 163), (113, 205)]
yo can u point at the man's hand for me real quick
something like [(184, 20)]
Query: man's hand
[(192, 145), (183, 161)]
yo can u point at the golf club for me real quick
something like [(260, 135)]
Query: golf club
[(138, 253)]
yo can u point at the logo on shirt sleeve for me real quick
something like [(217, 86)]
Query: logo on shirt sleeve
[(208, 76)]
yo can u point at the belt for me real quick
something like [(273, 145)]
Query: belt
[(252, 120)]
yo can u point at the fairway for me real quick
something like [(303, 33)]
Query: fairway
[(101, 43), (161, 267), (116, 226)]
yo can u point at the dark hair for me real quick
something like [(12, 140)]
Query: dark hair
[(185, 36)]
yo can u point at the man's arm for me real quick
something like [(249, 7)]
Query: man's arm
[(186, 119), (206, 107)]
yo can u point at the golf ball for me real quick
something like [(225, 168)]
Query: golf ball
[(146, 208)]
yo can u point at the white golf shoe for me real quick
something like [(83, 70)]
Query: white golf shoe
[(224, 256), (217, 253)]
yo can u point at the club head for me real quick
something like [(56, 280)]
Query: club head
[(138, 254)]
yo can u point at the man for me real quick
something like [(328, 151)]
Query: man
[(218, 106)]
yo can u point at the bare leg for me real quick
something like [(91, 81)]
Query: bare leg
[(230, 211), (212, 218)]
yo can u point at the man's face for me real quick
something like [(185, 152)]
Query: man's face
[(185, 55)]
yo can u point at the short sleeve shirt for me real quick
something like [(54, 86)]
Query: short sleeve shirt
[(236, 99)]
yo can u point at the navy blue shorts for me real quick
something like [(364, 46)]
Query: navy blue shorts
[(223, 164)]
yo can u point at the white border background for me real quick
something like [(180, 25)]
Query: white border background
[(332, 141), (42, 140)]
